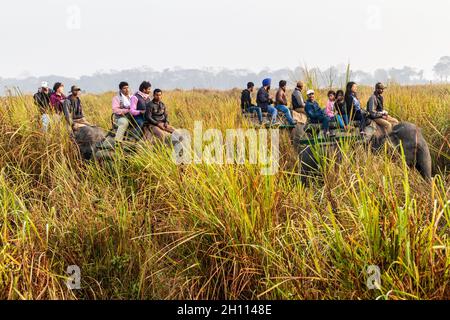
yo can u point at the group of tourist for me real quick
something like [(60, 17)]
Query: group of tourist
[(133, 113), (140, 110), (341, 107), (53, 103), (130, 113), (264, 102)]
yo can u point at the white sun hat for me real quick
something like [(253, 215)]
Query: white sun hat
[(44, 84), (309, 92)]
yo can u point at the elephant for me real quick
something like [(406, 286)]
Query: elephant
[(87, 138), (95, 143), (415, 148)]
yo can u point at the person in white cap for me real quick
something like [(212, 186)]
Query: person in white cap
[(42, 101), (315, 113)]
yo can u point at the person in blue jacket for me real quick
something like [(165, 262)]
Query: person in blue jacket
[(315, 113)]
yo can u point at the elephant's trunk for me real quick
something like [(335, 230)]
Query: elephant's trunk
[(423, 161)]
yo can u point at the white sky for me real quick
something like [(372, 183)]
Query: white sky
[(48, 37)]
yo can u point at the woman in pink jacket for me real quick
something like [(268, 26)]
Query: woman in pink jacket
[(329, 110), (140, 102)]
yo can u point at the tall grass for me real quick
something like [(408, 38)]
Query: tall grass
[(142, 227)]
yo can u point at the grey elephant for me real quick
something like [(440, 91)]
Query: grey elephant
[(415, 148), (87, 138), (95, 143)]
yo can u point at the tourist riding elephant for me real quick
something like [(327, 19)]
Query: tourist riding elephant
[(408, 135)]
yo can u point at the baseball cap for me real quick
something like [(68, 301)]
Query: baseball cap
[(75, 88), (379, 85), (44, 84), (309, 92)]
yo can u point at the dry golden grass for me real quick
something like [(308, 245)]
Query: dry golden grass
[(145, 228)]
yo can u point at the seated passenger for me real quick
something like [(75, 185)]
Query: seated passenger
[(42, 101), (281, 103), (315, 113), (264, 100), (354, 106), (297, 99), (121, 110), (340, 108), (298, 104), (330, 110), (57, 98), (73, 109), (246, 102), (139, 104), (375, 108), (156, 117), (329, 107)]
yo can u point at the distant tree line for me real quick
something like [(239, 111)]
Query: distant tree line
[(223, 79), (442, 68)]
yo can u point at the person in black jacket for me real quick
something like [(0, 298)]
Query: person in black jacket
[(42, 101), (375, 108), (246, 102), (73, 110), (341, 108), (353, 104), (157, 119)]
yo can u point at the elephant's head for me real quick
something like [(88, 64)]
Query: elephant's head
[(86, 138), (415, 148), (408, 135)]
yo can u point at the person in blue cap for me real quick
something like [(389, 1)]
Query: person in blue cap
[(265, 101)]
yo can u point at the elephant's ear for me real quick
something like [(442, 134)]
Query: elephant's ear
[(379, 130), (394, 138)]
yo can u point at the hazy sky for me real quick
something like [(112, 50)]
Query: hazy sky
[(76, 37)]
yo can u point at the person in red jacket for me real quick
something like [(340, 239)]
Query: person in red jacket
[(57, 98)]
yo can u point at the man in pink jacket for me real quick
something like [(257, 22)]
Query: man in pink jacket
[(121, 110)]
